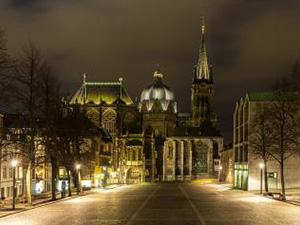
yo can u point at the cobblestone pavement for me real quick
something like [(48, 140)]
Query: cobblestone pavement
[(162, 204)]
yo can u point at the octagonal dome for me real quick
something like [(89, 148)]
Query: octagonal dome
[(157, 91)]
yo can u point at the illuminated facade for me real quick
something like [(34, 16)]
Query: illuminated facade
[(142, 130), (226, 161), (107, 104), (6, 179), (192, 153), (41, 174), (137, 158), (246, 165), (192, 150), (202, 96), (158, 108)]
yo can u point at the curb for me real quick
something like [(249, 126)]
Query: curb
[(285, 201), (38, 205)]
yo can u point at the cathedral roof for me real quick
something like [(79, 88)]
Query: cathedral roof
[(101, 92), (157, 91)]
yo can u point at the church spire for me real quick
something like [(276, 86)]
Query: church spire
[(202, 66)]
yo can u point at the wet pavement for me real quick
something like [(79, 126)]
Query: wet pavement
[(162, 204)]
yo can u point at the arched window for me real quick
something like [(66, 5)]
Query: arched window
[(200, 159), (109, 120), (94, 116)]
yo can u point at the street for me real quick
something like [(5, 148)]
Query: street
[(165, 203)]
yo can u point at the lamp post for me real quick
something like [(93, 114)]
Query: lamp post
[(104, 177), (14, 163), (78, 166), (261, 165)]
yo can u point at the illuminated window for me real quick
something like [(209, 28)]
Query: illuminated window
[(109, 120)]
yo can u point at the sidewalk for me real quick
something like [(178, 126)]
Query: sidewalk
[(292, 195), (7, 210), (21, 207)]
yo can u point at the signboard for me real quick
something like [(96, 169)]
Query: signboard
[(272, 174)]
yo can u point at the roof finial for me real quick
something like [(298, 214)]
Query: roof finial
[(157, 74), (202, 25), (84, 77), (157, 66), (121, 88)]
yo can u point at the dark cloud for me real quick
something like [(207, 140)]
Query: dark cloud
[(250, 43)]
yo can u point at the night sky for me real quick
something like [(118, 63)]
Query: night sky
[(249, 43)]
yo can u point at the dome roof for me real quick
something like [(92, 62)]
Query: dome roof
[(157, 91)]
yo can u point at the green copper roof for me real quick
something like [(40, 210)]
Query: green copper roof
[(97, 92)]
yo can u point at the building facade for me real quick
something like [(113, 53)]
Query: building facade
[(247, 169), (226, 163), (142, 130)]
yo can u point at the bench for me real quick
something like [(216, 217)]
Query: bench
[(276, 195)]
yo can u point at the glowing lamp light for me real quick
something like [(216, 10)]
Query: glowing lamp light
[(220, 167), (261, 165), (14, 163), (78, 166)]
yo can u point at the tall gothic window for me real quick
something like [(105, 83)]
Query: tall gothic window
[(170, 151), (109, 120), (200, 159)]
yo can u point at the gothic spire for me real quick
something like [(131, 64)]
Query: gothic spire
[(202, 66)]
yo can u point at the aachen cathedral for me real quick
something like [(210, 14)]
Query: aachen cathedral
[(152, 141)]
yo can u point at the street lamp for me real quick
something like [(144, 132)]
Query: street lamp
[(78, 166), (14, 163), (261, 165)]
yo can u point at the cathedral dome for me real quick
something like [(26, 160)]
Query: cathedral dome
[(158, 91)]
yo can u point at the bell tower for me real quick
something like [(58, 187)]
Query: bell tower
[(202, 90)]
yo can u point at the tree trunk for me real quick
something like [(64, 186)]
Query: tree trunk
[(266, 176), (28, 184), (53, 178), (282, 179), (69, 182)]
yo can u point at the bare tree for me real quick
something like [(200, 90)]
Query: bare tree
[(285, 125), (6, 63), (73, 131), (49, 104), (24, 90), (261, 139)]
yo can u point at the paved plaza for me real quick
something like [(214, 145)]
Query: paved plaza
[(162, 204)]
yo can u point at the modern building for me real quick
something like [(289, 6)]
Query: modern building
[(247, 171)]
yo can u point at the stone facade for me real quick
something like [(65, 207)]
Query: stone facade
[(226, 163), (247, 165), (137, 158), (153, 122), (191, 155)]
